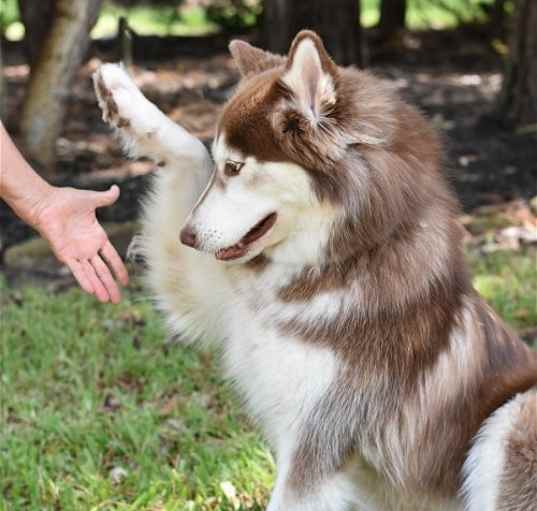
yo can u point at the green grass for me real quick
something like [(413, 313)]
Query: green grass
[(508, 280), (88, 388)]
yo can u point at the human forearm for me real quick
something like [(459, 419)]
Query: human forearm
[(65, 217), (20, 186)]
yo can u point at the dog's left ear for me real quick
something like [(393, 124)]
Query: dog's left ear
[(251, 60), (310, 75)]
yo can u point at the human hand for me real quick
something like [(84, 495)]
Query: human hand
[(65, 217)]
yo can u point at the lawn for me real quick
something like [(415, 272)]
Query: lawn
[(508, 280), (100, 412)]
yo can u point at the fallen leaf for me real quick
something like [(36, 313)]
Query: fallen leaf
[(168, 407), (117, 475)]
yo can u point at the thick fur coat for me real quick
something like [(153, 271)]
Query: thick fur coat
[(321, 251)]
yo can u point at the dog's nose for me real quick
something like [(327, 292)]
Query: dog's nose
[(188, 236)]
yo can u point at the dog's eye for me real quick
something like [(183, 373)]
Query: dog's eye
[(292, 125), (233, 168)]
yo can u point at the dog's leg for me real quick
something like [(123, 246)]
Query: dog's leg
[(176, 274), (302, 487), (317, 469), (335, 493), (145, 130), (501, 469)]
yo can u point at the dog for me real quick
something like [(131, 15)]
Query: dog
[(319, 247)]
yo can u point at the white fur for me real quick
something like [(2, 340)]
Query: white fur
[(280, 377), (485, 462), (150, 133), (224, 214), (459, 363), (338, 493), (311, 84), (175, 191)]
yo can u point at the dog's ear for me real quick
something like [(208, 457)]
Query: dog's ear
[(310, 75), (250, 59)]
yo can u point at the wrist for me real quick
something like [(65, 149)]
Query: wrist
[(30, 205), (21, 187)]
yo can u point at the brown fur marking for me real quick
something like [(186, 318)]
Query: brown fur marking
[(398, 247), (251, 60)]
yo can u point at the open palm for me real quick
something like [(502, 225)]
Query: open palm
[(67, 220)]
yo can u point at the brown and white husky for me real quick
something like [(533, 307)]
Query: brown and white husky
[(321, 250)]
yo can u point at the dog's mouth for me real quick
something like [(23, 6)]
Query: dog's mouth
[(240, 249)]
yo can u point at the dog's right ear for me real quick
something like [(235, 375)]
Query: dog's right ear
[(310, 74), (251, 60)]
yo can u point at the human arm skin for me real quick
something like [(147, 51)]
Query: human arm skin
[(65, 217)]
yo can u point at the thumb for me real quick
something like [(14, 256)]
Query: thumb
[(107, 198)]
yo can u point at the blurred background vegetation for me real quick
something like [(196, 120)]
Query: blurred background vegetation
[(55, 49), (171, 18)]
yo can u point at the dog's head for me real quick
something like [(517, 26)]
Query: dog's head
[(280, 179)]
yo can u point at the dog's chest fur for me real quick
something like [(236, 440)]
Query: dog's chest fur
[(281, 377), (286, 379)]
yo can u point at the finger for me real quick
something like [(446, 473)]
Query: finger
[(100, 291), (103, 272), (114, 261), (80, 276), (106, 198)]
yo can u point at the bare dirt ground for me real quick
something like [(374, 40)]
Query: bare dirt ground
[(453, 77)]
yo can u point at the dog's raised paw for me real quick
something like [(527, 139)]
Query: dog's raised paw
[(123, 105), (115, 90)]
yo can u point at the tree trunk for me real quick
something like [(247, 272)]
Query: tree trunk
[(51, 77), (518, 98), (37, 20), (337, 22), (392, 16)]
